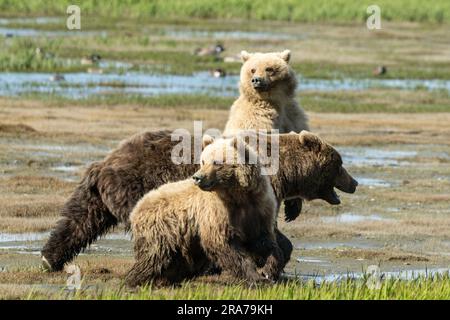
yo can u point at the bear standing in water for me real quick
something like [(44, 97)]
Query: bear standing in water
[(216, 217)]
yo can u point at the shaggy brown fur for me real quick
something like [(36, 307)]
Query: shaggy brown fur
[(267, 101), (180, 228), (110, 188)]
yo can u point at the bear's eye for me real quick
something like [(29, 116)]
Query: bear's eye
[(203, 162), (270, 70), (216, 162), (253, 70)]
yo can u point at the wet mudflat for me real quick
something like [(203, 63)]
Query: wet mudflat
[(398, 219), (50, 130)]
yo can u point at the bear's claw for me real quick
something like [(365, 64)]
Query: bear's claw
[(46, 265), (292, 209)]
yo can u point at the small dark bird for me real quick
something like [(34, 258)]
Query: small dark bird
[(379, 71)]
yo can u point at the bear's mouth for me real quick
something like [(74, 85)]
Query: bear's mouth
[(331, 197), (206, 185), (261, 87)]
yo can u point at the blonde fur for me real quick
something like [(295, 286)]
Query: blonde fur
[(274, 108), (179, 229)]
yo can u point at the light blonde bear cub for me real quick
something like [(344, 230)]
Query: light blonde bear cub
[(267, 95), (183, 227)]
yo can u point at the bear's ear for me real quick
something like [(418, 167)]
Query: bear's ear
[(245, 55), (207, 140), (311, 141), (285, 55)]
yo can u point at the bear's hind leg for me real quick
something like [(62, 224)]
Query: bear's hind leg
[(81, 224)]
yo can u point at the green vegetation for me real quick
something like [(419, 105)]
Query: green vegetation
[(373, 100), (26, 54), (285, 10), (437, 287)]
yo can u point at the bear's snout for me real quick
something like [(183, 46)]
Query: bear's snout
[(259, 83), (203, 182), (198, 178), (345, 182)]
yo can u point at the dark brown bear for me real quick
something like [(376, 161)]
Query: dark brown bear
[(309, 168)]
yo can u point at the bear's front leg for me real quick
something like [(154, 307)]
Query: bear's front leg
[(292, 209), (268, 255), (274, 264)]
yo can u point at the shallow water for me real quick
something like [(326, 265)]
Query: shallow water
[(81, 85), (411, 274), (223, 35), (355, 244), (36, 20), (32, 243), (372, 182), (361, 156), (28, 32), (40, 236), (353, 218)]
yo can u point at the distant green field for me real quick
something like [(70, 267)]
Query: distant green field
[(437, 11), (419, 289)]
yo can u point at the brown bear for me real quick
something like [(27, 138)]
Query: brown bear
[(182, 227), (308, 168), (267, 95), (267, 101)]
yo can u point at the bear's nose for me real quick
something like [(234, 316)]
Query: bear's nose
[(256, 80), (198, 178)]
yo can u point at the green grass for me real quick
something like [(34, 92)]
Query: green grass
[(19, 54), (373, 100), (437, 11), (436, 287)]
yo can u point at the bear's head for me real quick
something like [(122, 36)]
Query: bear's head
[(227, 164), (320, 169), (265, 75)]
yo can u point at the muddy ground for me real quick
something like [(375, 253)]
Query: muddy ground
[(398, 219)]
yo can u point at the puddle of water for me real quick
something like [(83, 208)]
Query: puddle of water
[(47, 149), (84, 84), (249, 35), (39, 236), (400, 274), (364, 84), (22, 237), (81, 85), (31, 243), (36, 20), (68, 169), (371, 182), (355, 244), (353, 218), (361, 156), (310, 260)]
